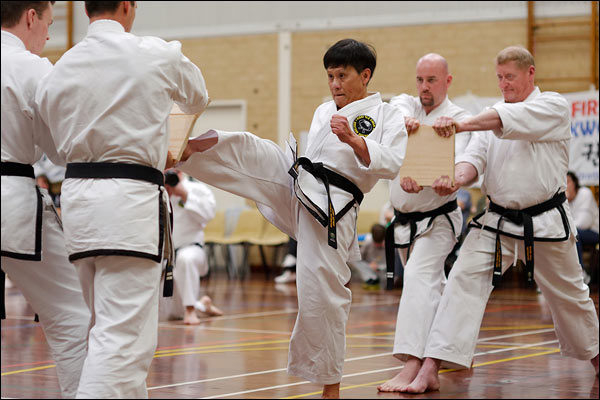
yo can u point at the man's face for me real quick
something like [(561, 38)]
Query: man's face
[(432, 83), (515, 83), (347, 85), (39, 30)]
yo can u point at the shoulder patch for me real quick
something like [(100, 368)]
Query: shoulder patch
[(363, 125)]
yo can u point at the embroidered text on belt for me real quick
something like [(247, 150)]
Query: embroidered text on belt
[(524, 218), (328, 177), (412, 219), (106, 170)]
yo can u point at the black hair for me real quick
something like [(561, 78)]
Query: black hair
[(378, 233), (94, 8), (351, 52), (574, 178), (12, 11)]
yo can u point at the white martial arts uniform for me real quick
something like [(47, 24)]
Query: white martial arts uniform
[(435, 237), (525, 164), (108, 100), (258, 169), (189, 221), (33, 249)]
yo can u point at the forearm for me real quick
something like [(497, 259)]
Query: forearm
[(465, 174), (485, 121), (361, 150)]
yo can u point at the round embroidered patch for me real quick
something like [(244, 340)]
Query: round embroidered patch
[(363, 125)]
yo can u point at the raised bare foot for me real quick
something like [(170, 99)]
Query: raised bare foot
[(206, 306), (427, 379), (190, 317), (331, 391), (403, 378)]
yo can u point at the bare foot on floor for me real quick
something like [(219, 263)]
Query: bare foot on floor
[(190, 317), (427, 379), (399, 382), (331, 391), (206, 306)]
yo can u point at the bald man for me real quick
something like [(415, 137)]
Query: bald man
[(425, 227)]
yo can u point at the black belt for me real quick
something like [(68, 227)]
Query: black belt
[(521, 217), (412, 219), (329, 177), (17, 169), (106, 170)]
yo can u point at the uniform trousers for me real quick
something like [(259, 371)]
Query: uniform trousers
[(557, 273), (122, 293), (52, 289), (257, 169), (424, 281)]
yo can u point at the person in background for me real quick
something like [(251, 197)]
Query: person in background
[(372, 260), (289, 264), (584, 210), (193, 205)]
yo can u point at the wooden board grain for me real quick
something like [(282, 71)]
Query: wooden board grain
[(428, 156), (180, 127)]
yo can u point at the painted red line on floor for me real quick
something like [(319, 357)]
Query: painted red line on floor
[(515, 307), (31, 363)]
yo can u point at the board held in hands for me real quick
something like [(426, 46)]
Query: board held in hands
[(428, 156)]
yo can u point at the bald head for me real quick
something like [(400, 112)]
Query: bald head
[(435, 60), (433, 80)]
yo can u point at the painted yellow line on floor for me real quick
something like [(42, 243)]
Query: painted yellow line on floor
[(507, 328), (441, 372), (28, 370), (224, 346)]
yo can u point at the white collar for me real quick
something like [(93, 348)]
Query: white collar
[(105, 25), (11, 39)]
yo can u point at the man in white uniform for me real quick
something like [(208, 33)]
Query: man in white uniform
[(33, 249), (525, 162), (353, 141), (107, 104), (426, 225), (194, 206)]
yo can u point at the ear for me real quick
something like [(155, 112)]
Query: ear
[(126, 6), (448, 80), (531, 70), (366, 75), (30, 17)]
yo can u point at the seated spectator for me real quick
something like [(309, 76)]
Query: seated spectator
[(193, 206), (373, 257), (584, 210), (289, 264)]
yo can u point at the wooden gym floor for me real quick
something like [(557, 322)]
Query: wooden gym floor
[(244, 353)]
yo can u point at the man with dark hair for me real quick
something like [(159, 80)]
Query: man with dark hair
[(354, 140), (107, 104), (524, 162), (33, 248)]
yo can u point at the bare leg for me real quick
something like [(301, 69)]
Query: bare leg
[(399, 382), (594, 362), (427, 379), (331, 391), (190, 317)]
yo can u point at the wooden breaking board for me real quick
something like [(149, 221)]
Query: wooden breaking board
[(428, 156), (180, 127)]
